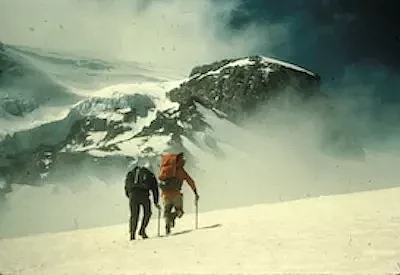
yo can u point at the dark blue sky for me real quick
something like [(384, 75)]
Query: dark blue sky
[(340, 31), (331, 37)]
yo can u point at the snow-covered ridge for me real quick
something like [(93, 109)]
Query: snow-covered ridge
[(240, 63), (265, 62)]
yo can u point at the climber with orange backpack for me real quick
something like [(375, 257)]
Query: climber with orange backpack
[(171, 176)]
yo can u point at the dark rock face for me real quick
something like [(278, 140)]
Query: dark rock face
[(171, 122), (237, 86)]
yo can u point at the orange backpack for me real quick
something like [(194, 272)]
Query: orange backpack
[(168, 167)]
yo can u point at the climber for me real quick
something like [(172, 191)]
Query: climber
[(138, 182), (171, 176)]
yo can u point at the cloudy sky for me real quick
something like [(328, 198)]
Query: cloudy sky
[(349, 43)]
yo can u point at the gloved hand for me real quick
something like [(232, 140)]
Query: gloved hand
[(157, 206)]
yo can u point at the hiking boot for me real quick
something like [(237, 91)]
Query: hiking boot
[(179, 213), (168, 229), (143, 234), (173, 222)]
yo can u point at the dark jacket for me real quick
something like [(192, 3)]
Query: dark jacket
[(131, 191)]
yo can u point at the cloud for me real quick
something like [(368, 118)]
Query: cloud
[(176, 33)]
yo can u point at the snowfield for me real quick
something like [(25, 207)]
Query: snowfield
[(343, 234)]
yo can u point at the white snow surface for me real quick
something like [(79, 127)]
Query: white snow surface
[(156, 91), (147, 88), (38, 117), (286, 64), (344, 234), (135, 146), (240, 62)]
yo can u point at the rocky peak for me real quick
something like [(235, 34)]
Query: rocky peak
[(237, 86)]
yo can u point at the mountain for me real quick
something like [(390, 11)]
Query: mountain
[(238, 86), (106, 128), (343, 234)]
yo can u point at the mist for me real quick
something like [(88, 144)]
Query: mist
[(273, 156), (279, 157), (176, 34), (366, 97)]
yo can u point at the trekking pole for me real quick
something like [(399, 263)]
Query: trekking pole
[(158, 222), (197, 213)]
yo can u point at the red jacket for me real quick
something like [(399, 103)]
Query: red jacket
[(182, 175)]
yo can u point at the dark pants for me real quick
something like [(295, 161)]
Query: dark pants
[(172, 202), (135, 201)]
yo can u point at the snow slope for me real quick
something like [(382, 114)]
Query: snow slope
[(42, 86), (344, 234), (146, 98)]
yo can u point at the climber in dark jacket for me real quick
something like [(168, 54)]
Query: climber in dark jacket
[(138, 182)]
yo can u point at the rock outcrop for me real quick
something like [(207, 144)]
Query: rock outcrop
[(237, 86)]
